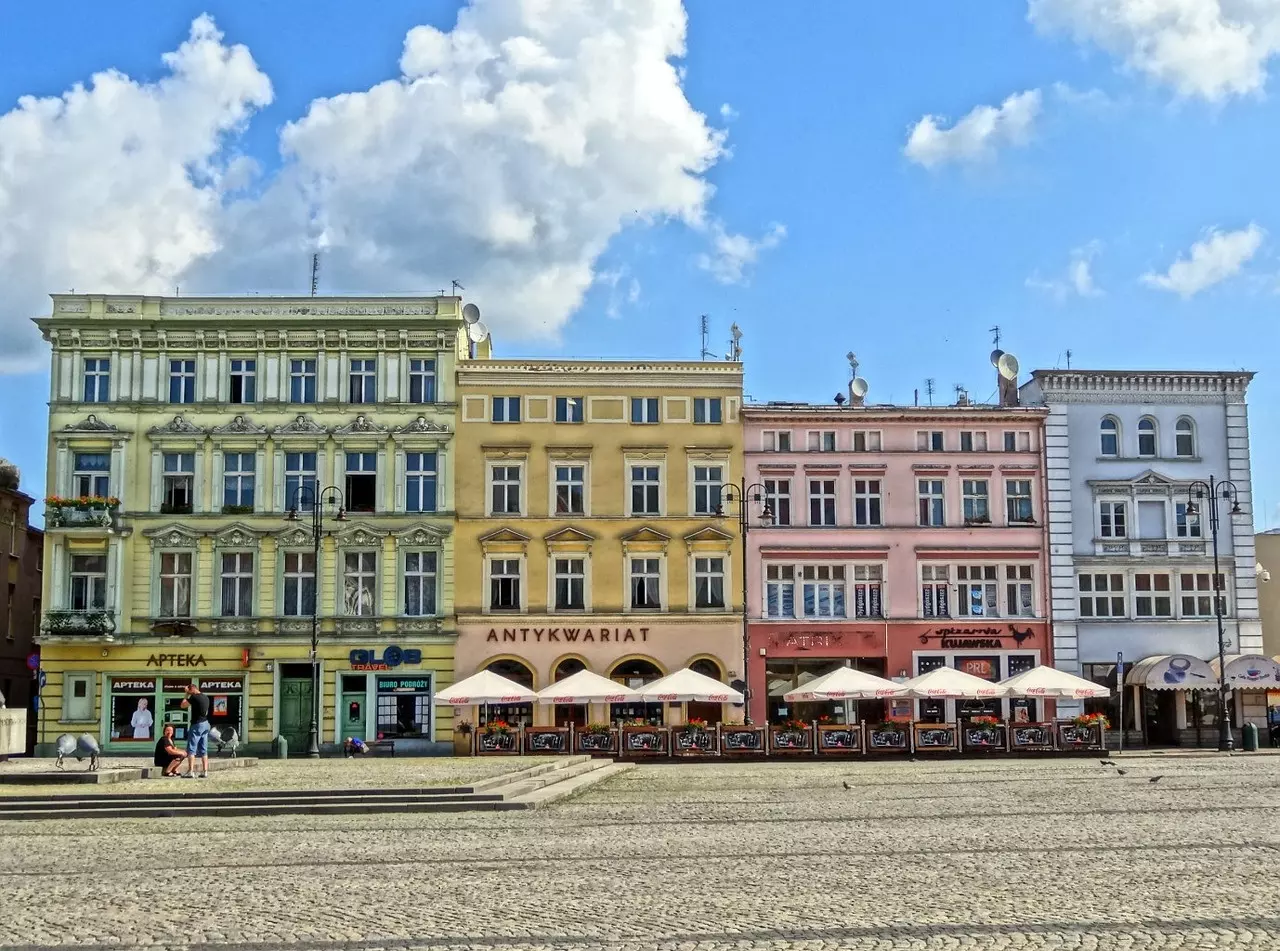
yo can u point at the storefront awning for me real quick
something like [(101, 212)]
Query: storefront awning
[(1250, 672), (1172, 672)]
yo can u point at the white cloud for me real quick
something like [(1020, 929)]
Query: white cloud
[(733, 254), (978, 135), (1219, 256), (727, 112), (1077, 281), (1212, 49), (624, 290), (115, 186)]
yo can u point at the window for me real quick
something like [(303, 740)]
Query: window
[(302, 381), (420, 583), (777, 495), (505, 490), (359, 583), (182, 381), (1196, 590), (91, 476), (237, 584), (822, 502), (973, 442), (1152, 595), (866, 441), (1112, 520), (422, 381), (506, 409), (299, 583), (777, 440), (179, 483), (97, 379), (929, 441), (823, 590), (708, 580), (299, 480), (1186, 526), (420, 473), (244, 375), (646, 485), (780, 591), (1019, 601), (644, 409), (706, 409), (976, 594), (977, 501), (569, 409), (362, 481), (504, 584), (1147, 437), (362, 382), (933, 512), (1017, 500), (1109, 437), (570, 584), (706, 489), (1102, 595), (1017, 441), (868, 593), (646, 584), (1184, 438), (175, 584), (570, 490), (88, 582), (822, 442), (237, 480), (935, 591), (866, 502)]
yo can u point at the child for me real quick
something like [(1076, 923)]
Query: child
[(354, 746)]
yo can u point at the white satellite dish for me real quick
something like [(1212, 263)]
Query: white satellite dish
[(859, 387), (477, 332), (1008, 366), (471, 313), (995, 357)]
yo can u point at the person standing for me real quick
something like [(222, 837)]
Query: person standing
[(197, 731)]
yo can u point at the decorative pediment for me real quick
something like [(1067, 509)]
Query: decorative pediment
[(421, 536), (360, 536), (420, 427), (178, 426), (709, 537), (236, 535), (172, 536), (90, 424), (303, 425), (1145, 483), (504, 540), (646, 539), (240, 426), (295, 537), (568, 536), (361, 426), (1151, 477)]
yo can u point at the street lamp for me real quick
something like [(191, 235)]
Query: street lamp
[(1210, 493), (742, 494), (328, 496)]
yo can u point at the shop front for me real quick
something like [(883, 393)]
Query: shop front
[(140, 705), (786, 656)]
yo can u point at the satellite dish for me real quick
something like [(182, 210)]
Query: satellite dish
[(477, 332), (859, 387), (471, 313), (1008, 366), (995, 357)]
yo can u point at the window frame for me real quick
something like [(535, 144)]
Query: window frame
[(1114, 433), (424, 375), (247, 375), (824, 503), (555, 467), (866, 440), (1148, 429), (706, 493), (1109, 594), (777, 494), (422, 477), (698, 572), (421, 573), (161, 575), (299, 577), (95, 583), (362, 380), (1189, 433), (169, 481), (710, 409), (821, 440), (348, 473), (644, 404), (295, 497), (374, 590), (988, 581), (492, 482), (300, 375), (783, 586), (931, 440), (659, 486), (237, 553), (975, 500), (936, 502), (183, 376), (866, 499), (505, 415), (240, 477), (491, 579), (1013, 501), (834, 586), (570, 410), (99, 375), (570, 577), (1154, 595), (657, 576), (1113, 519), (97, 478)]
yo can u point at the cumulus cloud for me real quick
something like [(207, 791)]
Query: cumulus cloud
[(727, 112), (732, 254), (1219, 256), (623, 289), (1211, 49), (1078, 280), (977, 136)]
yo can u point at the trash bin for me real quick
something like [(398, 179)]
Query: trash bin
[(1250, 744), (282, 748)]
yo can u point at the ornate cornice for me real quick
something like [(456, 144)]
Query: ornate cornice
[(421, 427), (1140, 386), (361, 426), (178, 426), (90, 424), (422, 536), (240, 426), (302, 425)]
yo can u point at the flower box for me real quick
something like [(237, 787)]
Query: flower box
[(839, 738), (87, 512), (790, 737), (935, 737), (889, 737), (1031, 736), (594, 740), (646, 741), (79, 623), (693, 741), (982, 735), (546, 740), (497, 739), (737, 739)]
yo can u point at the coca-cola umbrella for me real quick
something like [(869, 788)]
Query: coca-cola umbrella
[(1053, 684), (586, 687), (687, 684), (844, 683), (947, 683), (485, 687)]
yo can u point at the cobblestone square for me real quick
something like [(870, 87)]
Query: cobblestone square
[(926, 855)]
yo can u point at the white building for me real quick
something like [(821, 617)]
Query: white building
[(1131, 573)]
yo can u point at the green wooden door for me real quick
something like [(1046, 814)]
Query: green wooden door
[(295, 713)]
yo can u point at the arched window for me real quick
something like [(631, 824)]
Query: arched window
[(1109, 436), (517, 714), (635, 673), (708, 668), (1184, 438), (567, 668), (1147, 446), (513, 670)]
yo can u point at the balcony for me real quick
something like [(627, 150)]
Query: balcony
[(92, 512), (98, 623)]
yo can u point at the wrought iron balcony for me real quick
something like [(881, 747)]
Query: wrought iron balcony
[(96, 623), (80, 513)]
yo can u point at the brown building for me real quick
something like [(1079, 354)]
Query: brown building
[(23, 554)]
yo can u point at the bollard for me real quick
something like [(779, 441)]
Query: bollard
[(282, 748), (1250, 743)]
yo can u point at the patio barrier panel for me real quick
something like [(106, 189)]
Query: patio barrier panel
[(546, 740), (646, 741), (790, 740), (885, 738), (935, 737), (840, 738), (596, 744), (693, 741), (739, 740), (1030, 736), (984, 739), (497, 744), (1074, 737)]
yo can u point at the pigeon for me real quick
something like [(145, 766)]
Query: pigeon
[(1107, 762), (845, 785), (1123, 772), (1155, 779)]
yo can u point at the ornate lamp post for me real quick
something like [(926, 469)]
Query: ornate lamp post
[(742, 494), (331, 497), (1210, 493)]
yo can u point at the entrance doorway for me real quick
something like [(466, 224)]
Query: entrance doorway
[(354, 716), (1160, 713), (297, 700), (569, 713)]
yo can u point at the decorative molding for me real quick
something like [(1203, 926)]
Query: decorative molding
[(172, 536), (361, 426), (302, 425), (90, 424), (360, 536), (236, 535), (239, 426), (417, 625), (504, 536), (235, 625), (356, 625), (420, 427), (294, 625), (422, 536), (568, 536), (295, 537), (708, 534), (1139, 386), (178, 426), (172, 308)]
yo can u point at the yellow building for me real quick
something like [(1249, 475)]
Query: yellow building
[(587, 534), (210, 419)]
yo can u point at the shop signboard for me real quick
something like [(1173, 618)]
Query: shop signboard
[(392, 656)]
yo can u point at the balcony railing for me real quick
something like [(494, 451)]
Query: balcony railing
[(79, 623), (80, 513)]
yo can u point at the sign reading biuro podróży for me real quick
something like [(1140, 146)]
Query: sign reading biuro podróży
[(403, 685)]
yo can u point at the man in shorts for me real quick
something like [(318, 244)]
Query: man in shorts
[(197, 732)]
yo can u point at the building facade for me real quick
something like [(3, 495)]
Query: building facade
[(183, 433), (901, 539), (588, 534), (20, 610), (1132, 568)]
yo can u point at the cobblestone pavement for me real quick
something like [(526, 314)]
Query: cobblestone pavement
[(942, 855)]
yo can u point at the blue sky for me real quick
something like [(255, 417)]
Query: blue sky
[(810, 223)]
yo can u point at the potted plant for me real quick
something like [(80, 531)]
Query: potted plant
[(462, 731), (1089, 721), (1084, 730)]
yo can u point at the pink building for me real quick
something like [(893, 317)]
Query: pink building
[(904, 538)]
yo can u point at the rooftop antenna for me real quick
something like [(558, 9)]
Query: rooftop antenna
[(960, 391), (853, 362), (1068, 359), (928, 389), (735, 345), (457, 287), (705, 323), (315, 273), (995, 336)]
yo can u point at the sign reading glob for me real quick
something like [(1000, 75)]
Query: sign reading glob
[(392, 656)]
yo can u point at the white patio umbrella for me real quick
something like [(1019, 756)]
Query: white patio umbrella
[(1054, 684), (947, 683), (586, 687), (844, 683), (485, 687), (687, 684)]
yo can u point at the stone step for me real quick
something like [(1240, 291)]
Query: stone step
[(281, 807), (199, 791), (553, 792)]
